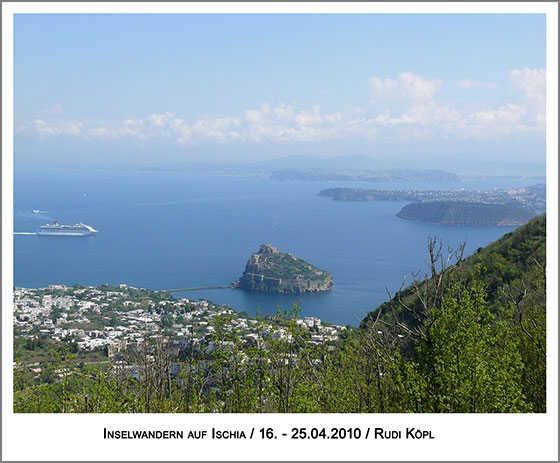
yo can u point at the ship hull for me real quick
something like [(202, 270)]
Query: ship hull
[(61, 233)]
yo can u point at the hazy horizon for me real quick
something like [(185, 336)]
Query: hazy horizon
[(140, 90)]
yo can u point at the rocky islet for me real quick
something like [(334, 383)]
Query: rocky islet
[(272, 271)]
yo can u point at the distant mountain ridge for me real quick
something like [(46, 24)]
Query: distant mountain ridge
[(350, 162), (380, 175)]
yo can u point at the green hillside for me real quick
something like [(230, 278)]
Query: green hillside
[(505, 282), (504, 262)]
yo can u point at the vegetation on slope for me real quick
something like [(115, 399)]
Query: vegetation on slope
[(289, 267), (505, 284)]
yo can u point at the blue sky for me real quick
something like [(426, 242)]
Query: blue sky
[(234, 87)]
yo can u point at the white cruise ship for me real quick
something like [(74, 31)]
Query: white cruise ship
[(78, 229)]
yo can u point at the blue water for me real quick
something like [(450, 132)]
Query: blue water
[(164, 230)]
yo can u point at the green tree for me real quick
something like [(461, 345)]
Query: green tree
[(113, 319), (56, 312), (462, 351), (526, 310), (469, 362)]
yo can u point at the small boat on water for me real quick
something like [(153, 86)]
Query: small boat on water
[(36, 211)]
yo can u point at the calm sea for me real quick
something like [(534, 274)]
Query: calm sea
[(164, 230)]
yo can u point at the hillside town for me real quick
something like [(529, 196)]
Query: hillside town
[(113, 318)]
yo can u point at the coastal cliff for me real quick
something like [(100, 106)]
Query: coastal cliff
[(272, 271)]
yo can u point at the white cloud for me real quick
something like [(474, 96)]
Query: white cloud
[(509, 113), (424, 114), (257, 115), (176, 123), (334, 117), (283, 123), (284, 112), (160, 120), (467, 84), (501, 121), (221, 129), (532, 84), (407, 87), (312, 117), (412, 113), (116, 131), (56, 109), (98, 132), (133, 122), (382, 87), (42, 128), (184, 134)]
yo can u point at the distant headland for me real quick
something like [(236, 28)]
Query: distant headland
[(466, 213), (513, 206)]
